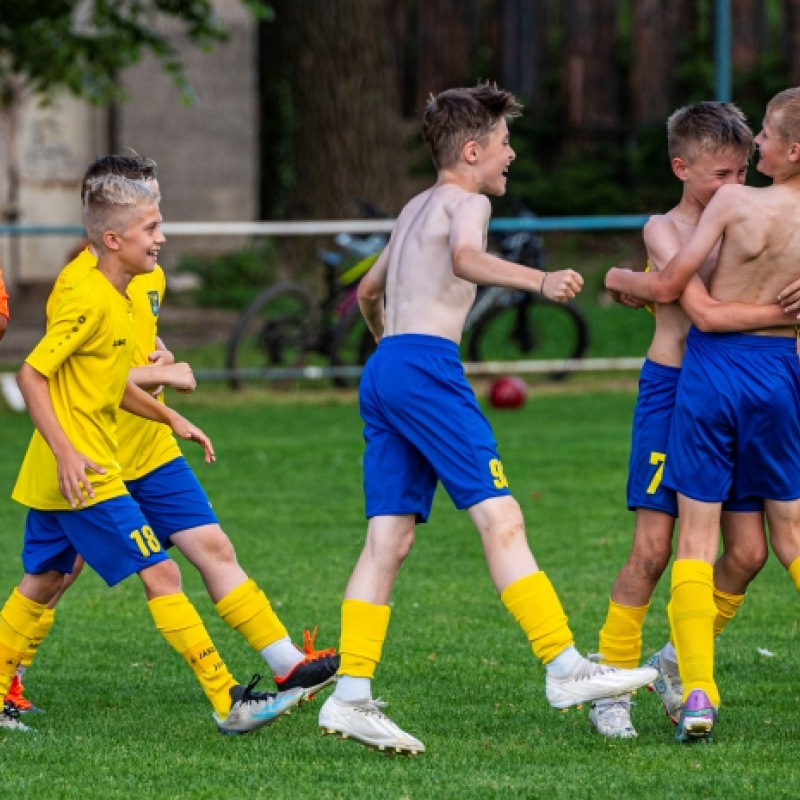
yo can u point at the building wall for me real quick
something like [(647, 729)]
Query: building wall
[(207, 153)]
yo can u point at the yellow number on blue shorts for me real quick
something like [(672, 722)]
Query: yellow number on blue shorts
[(657, 460), (146, 541), (496, 468)]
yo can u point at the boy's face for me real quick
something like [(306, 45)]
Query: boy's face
[(771, 149), (705, 173), (495, 156), (141, 241)]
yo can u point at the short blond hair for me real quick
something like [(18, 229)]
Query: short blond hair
[(112, 203), (708, 127), (784, 113)]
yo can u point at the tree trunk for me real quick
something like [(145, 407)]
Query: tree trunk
[(748, 32), (341, 104), (658, 29), (590, 81), (522, 47), (791, 39)]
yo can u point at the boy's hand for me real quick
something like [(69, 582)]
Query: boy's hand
[(161, 357), (181, 377), (627, 300), (562, 285), (789, 298), (191, 433), (73, 482)]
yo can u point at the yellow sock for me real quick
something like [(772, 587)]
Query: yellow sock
[(691, 613), (180, 624), (534, 604), (364, 627), (42, 629), (247, 610), (621, 635), (794, 573), (19, 619), (727, 606)]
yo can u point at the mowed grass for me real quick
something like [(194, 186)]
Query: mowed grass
[(126, 719)]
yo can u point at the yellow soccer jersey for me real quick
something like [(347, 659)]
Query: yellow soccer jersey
[(143, 445), (86, 356)]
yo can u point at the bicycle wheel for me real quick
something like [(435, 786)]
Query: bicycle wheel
[(352, 344), (532, 328), (277, 329)]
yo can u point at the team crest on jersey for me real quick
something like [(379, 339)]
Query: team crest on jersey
[(153, 295)]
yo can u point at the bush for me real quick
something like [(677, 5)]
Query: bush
[(231, 280)]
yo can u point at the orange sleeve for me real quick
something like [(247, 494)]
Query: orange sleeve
[(3, 297)]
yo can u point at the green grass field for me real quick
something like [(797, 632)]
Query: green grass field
[(125, 718)]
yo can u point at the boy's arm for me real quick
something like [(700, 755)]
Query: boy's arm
[(714, 316), (371, 290), (163, 371), (469, 223), (136, 401), (72, 465), (3, 307), (666, 285)]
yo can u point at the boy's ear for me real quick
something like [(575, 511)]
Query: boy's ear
[(794, 153), (111, 240), (471, 151), (679, 168)]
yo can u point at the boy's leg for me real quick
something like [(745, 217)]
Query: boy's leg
[(15, 694), (350, 712), (621, 634), (744, 553), (236, 709), (179, 512), (784, 527), (533, 602), (246, 609), (692, 613), (19, 619)]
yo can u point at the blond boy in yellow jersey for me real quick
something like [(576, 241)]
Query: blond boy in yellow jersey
[(73, 383), (165, 488)]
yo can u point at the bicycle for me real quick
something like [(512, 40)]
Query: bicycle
[(285, 323), (511, 324)]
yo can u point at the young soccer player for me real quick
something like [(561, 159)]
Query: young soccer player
[(422, 423), (736, 422), (163, 485), (73, 383), (709, 146)]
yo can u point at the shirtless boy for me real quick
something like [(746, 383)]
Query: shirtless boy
[(737, 415), (422, 423)]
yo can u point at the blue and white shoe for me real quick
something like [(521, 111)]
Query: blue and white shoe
[(668, 685), (251, 710), (9, 719), (698, 715)]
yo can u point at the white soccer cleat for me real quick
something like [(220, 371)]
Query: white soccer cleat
[(668, 685), (590, 681), (251, 710), (612, 717), (364, 722)]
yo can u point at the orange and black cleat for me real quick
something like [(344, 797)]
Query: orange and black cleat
[(16, 696), (316, 671)]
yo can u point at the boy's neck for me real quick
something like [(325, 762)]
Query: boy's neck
[(115, 272), (455, 177)]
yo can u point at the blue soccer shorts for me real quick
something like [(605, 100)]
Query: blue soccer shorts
[(422, 424), (112, 536), (737, 419), (652, 419), (172, 499)]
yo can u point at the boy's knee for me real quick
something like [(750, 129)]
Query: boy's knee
[(161, 579), (209, 544)]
